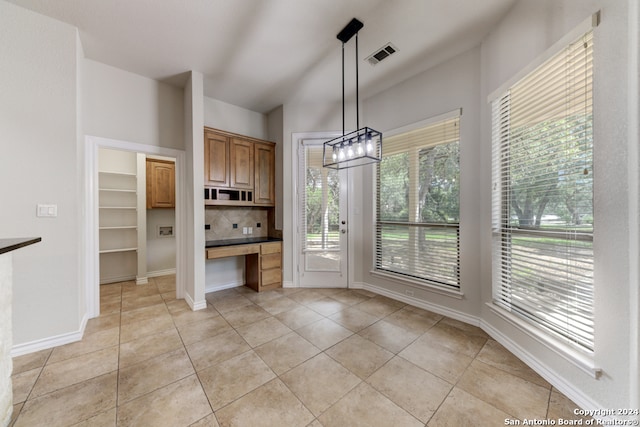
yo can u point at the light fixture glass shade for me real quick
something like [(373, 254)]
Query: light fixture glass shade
[(356, 148)]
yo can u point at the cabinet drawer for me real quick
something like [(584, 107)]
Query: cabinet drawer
[(270, 261), (232, 251), (271, 248), (271, 276)]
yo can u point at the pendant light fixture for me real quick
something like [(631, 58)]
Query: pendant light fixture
[(360, 147)]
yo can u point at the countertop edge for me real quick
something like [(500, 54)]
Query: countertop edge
[(234, 242), (8, 245)]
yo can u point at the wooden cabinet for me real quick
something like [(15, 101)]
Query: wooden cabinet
[(161, 184), (216, 159), (241, 164), (265, 188), (264, 270), (239, 170)]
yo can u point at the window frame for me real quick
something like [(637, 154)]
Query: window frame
[(580, 356), (408, 279)]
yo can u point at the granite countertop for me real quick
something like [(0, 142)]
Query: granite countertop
[(8, 245), (241, 241)]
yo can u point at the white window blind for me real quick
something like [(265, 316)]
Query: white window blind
[(543, 196), (320, 194), (417, 207)]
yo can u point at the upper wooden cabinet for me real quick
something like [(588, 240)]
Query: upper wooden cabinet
[(241, 164), (265, 187), (239, 170), (216, 159), (161, 184)]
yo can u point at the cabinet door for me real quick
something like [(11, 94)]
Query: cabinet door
[(241, 164), (265, 188), (161, 187), (216, 160)]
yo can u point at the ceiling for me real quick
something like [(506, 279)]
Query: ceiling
[(259, 54)]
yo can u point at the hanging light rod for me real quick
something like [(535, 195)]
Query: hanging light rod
[(350, 30), (360, 147)]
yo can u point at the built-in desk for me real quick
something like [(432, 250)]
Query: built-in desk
[(263, 259)]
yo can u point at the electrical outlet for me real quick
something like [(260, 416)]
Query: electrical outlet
[(207, 226), (258, 225)]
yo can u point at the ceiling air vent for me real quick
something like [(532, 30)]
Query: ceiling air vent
[(382, 53)]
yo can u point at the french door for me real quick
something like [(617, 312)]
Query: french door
[(322, 220)]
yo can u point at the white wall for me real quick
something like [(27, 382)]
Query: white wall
[(161, 251), (442, 89), (128, 107), (230, 118), (39, 164)]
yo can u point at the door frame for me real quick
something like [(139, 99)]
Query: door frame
[(296, 143), (91, 214)]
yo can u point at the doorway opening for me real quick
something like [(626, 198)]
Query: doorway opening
[(125, 241)]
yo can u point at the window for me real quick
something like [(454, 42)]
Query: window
[(543, 196), (418, 186)]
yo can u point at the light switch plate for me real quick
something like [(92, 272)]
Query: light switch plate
[(47, 211)]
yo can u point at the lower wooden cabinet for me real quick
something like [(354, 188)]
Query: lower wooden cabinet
[(263, 263), (264, 270)]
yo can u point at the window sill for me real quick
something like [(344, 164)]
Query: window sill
[(418, 284), (578, 358)]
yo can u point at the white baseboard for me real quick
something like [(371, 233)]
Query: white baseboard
[(195, 305), (117, 279), (50, 342), (142, 280), (220, 287), (288, 284), (158, 273), (543, 370), (445, 311)]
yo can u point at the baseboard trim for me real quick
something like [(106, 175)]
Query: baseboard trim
[(445, 311), (50, 342), (543, 370), (108, 280), (165, 272), (288, 284), (195, 306), (221, 287), (142, 280)]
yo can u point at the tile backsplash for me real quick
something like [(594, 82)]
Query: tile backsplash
[(222, 218)]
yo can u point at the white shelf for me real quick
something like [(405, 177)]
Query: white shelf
[(117, 173), (118, 207), (117, 190), (119, 227), (113, 251)]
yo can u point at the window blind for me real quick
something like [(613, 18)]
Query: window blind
[(320, 193), (543, 223), (417, 206)]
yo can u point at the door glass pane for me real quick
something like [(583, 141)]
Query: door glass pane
[(322, 214)]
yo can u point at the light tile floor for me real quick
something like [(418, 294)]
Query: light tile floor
[(290, 357)]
